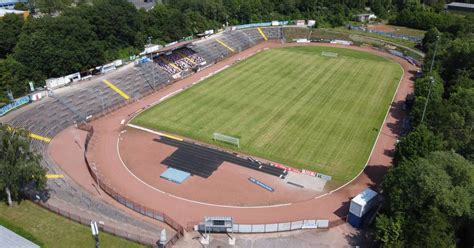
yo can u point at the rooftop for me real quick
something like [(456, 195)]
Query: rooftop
[(463, 5), (364, 197), (11, 239), (10, 11)]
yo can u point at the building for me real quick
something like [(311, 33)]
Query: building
[(11, 239), (12, 11), (365, 17), (468, 7), (10, 4)]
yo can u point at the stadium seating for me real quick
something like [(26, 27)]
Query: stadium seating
[(72, 105), (273, 33), (194, 57), (178, 60), (203, 161)]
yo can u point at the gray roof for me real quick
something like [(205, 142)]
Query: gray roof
[(462, 5), (13, 240), (5, 2)]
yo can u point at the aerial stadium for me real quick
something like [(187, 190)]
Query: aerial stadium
[(270, 127)]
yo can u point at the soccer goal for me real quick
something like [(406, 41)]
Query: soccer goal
[(226, 138), (329, 54)]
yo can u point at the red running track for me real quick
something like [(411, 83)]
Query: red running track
[(333, 206)]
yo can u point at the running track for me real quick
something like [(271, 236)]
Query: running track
[(333, 206)]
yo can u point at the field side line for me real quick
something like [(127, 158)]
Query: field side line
[(154, 132), (181, 198), (194, 83), (378, 135)]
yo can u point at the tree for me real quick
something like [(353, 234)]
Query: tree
[(433, 193), (51, 6), (10, 29), (13, 76), (418, 143), (430, 38), (19, 166), (20, 6), (422, 88), (54, 47), (389, 230)]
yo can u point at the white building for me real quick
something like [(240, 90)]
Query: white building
[(365, 17)]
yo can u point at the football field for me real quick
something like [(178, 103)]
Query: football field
[(289, 105)]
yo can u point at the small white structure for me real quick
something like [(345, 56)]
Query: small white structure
[(151, 49), (302, 41), (300, 23), (311, 23), (54, 83), (365, 17), (341, 42), (363, 202), (107, 68), (209, 32)]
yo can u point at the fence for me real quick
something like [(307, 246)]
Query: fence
[(109, 229), (127, 202), (387, 34), (275, 227), (17, 103)]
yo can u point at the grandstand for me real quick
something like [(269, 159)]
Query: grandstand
[(65, 108), (175, 61), (203, 161)]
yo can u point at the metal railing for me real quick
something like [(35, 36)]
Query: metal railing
[(158, 215)]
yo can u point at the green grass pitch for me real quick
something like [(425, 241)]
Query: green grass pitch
[(289, 105)]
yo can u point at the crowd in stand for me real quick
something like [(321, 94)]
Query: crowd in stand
[(166, 67), (181, 62), (192, 55), (181, 59)]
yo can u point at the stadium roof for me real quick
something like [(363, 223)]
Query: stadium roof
[(172, 47), (11, 239), (364, 197), (461, 5), (10, 11), (10, 2)]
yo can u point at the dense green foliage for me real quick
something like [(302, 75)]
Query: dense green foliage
[(91, 33), (430, 192), (19, 166), (10, 29), (290, 105)]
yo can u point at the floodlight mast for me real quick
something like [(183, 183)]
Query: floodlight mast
[(152, 66), (431, 80)]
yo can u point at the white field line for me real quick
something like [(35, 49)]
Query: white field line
[(190, 85), (376, 140), (332, 191), (181, 198)]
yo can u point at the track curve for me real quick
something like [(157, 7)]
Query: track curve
[(333, 206)]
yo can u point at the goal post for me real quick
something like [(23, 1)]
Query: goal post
[(226, 138), (329, 54)]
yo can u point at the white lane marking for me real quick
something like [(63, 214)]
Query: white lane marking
[(184, 199)]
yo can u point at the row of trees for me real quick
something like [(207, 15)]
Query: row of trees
[(429, 194), (91, 33)]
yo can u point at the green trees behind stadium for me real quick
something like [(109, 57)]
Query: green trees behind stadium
[(429, 194), (95, 32)]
